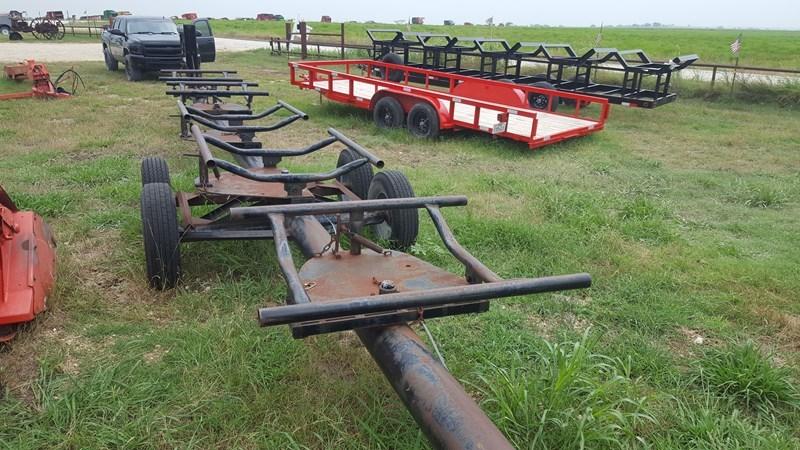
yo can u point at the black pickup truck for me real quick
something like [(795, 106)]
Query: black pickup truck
[(149, 44)]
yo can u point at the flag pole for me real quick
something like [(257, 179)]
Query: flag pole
[(735, 68), (738, 43)]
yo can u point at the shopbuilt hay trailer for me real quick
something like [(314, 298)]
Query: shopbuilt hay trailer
[(349, 281), (625, 77), (427, 101)]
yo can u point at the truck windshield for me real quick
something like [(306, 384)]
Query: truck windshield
[(152, 27)]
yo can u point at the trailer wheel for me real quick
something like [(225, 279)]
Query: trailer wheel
[(423, 121), (388, 113), (401, 226), (160, 235), (111, 64), (357, 180), (15, 36), (132, 72), (155, 170), (394, 75), (541, 101)]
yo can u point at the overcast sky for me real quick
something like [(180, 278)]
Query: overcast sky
[(728, 13)]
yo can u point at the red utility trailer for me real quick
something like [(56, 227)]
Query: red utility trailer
[(426, 101)]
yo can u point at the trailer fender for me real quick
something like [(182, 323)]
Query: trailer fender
[(409, 99), (505, 95)]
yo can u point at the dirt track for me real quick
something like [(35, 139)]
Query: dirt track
[(67, 51)]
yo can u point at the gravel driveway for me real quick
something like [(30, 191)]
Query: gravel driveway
[(67, 52)]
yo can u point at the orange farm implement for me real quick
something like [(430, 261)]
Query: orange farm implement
[(27, 266)]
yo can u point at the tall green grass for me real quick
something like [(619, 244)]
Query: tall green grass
[(567, 396)]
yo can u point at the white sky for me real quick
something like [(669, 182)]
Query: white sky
[(783, 14)]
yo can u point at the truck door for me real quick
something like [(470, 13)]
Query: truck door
[(115, 42), (205, 40)]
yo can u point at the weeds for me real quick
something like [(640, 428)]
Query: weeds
[(567, 397), (743, 374)]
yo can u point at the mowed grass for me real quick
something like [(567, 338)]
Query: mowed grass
[(760, 48), (686, 216)]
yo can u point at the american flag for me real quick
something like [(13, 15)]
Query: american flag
[(736, 45)]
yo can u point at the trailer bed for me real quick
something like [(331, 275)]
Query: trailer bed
[(501, 109)]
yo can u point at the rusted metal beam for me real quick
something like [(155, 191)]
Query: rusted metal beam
[(445, 412), (447, 415)]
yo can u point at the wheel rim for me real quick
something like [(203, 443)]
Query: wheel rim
[(422, 124), (540, 101), (387, 116), (5, 31)]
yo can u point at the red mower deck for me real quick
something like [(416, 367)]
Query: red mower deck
[(27, 266), (495, 107)]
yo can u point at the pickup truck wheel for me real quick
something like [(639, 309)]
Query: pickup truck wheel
[(160, 234), (111, 64), (5, 30), (132, 72)]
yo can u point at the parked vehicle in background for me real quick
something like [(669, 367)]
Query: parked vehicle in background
[(148, 44), (5, 25)]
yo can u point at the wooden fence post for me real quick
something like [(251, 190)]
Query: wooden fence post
[(303, 40), (342, 36)]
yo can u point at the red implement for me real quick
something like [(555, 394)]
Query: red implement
[(38, 74), (27, 266)]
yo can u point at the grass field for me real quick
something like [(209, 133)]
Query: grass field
[(686, 216), (760, 48)]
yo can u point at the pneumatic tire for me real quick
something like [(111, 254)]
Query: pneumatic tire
[(400, 226), (541, 101), (155, 170), (388, 113), (111, 64), (160, 234), (394, 75), (423, 121), (133, 73), (358, 179)]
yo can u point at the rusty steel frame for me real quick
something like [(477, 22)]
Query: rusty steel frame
[(446, 413)]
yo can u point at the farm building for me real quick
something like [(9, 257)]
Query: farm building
[(418, 20)]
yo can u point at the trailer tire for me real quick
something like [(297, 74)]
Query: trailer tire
[(388, 113), (111, 64), (155, 170), (132, 72), (15, 36), (541, 101), (423, 121), (357, 180), (160, 234), (401, 226), (394, 75)]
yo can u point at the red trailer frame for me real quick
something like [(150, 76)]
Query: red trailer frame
[(502, 109)]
